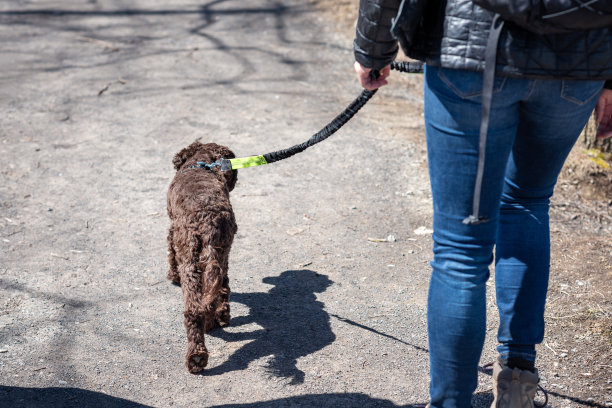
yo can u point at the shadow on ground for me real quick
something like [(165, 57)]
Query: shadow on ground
[(293, 325), (58, 397), (231, 14), (323, 401)]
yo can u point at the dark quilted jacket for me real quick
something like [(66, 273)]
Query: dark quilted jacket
[(453, 34)]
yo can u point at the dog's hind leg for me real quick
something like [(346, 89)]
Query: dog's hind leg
[(222, 311), (195, 307), (214, 281), (195, 322), (197, 354), (173, 273), (219, 315)]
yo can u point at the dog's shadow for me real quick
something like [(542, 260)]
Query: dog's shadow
[(293, 325)]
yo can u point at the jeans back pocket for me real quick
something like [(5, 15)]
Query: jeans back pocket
[(467, 84), (580, 92)]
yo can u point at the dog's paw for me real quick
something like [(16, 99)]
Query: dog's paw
[(211, 324), (218, 321), (223, 317), (196, 359)]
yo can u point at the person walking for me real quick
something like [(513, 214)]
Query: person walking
[(495, 150)]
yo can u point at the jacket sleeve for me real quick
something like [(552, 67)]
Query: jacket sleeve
[(374, 45)]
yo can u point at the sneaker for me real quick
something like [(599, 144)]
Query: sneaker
[(513, 388)]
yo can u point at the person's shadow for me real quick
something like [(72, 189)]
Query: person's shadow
[(293, 323)]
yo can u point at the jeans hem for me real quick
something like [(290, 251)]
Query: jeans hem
[(514, 354)]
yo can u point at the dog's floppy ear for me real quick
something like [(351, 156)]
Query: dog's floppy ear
[(181, 157), (231, 177)]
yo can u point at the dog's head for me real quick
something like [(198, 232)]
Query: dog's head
[(208, 153)]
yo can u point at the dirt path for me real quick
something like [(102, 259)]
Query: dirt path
[(96, 98)]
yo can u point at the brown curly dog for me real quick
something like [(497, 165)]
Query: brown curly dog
[(201, 233)]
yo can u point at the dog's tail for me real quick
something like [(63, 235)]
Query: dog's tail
[(212, 275), (204, 273)]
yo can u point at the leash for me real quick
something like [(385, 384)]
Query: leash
[(327, 131), (406, 66)]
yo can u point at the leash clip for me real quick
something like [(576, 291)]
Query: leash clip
[(223, 164), (204, 165)]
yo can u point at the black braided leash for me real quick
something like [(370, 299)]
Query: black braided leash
[(327, 131), (343, 117)]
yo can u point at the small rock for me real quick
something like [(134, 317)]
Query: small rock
[(62, 382), (3, 351), (423, 231), (390, 238)]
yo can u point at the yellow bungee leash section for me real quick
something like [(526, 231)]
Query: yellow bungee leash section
[(243, 162), (327, 131)]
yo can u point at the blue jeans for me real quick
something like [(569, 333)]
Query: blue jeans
[(533, 126)]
